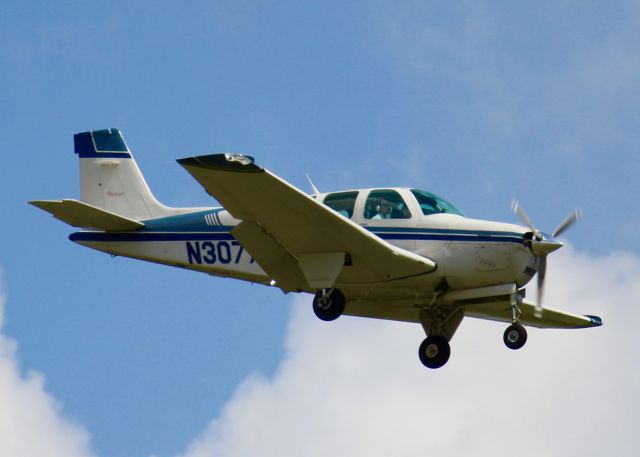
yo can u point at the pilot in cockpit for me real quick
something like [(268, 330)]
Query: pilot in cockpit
[(383, 209)]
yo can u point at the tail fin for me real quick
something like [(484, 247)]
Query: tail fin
[(110, 178)]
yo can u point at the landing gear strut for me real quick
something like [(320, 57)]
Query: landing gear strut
[(515, 335), (328, 304), (439, 324)]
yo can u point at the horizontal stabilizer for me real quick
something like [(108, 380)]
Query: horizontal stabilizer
[(79, 214)]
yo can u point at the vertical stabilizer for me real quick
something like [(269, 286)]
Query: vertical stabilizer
[(110, 178)]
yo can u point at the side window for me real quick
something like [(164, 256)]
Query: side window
[(432, 204), (428, 204), (385, 204), (342, 202)]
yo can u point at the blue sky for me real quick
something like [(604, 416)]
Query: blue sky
[(477, 101)]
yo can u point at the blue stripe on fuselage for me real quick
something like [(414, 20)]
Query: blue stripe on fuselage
[(204, 232), (402, 233), (451, 237), (149, 236), (444, 231)]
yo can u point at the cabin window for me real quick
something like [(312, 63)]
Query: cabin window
[(342, 202), (386, 204), (432, 204)]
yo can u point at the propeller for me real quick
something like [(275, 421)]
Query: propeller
[(568, 222), (522, 214), (542, 246)]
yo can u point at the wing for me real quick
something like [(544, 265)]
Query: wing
[(301, 243), (551, 317), (491, 303)]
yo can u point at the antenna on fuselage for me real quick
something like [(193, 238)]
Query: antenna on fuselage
[(313, 187)]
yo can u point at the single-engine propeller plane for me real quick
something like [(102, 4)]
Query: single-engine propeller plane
[(388, 253)]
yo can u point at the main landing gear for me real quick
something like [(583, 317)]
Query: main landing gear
[(434, 351), (328, 304), (439, 324)]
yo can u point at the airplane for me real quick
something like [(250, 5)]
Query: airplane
[(400, 254)]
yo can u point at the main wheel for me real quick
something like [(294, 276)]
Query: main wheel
[(434, 351), (515, 336), (328, 306)]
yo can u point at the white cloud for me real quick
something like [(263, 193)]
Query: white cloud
[(355, 387), (31, 423)]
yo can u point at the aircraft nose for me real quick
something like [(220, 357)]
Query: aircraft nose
[(546, 245)]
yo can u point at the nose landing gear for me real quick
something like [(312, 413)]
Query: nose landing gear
[(515, 336)]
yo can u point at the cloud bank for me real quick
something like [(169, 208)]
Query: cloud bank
[(355, 387), (31, 423)]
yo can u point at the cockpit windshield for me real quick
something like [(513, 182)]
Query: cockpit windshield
[(432, 204)]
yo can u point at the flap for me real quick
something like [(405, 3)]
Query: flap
[(79, 214), (459, 297), (275, 260)]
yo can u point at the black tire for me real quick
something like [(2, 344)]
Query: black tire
[(515, 336), (434, 351), (329, 308)]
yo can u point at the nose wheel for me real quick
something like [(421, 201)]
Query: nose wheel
[(434, 351), (515, 336)]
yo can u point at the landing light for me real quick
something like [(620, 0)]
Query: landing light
[(241, 158)]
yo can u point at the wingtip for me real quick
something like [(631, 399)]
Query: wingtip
[(596, 321), (222, 162), (187, 161)]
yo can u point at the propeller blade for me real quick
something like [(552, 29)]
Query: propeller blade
[(542, 272), (521, 213), (568, 222)]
